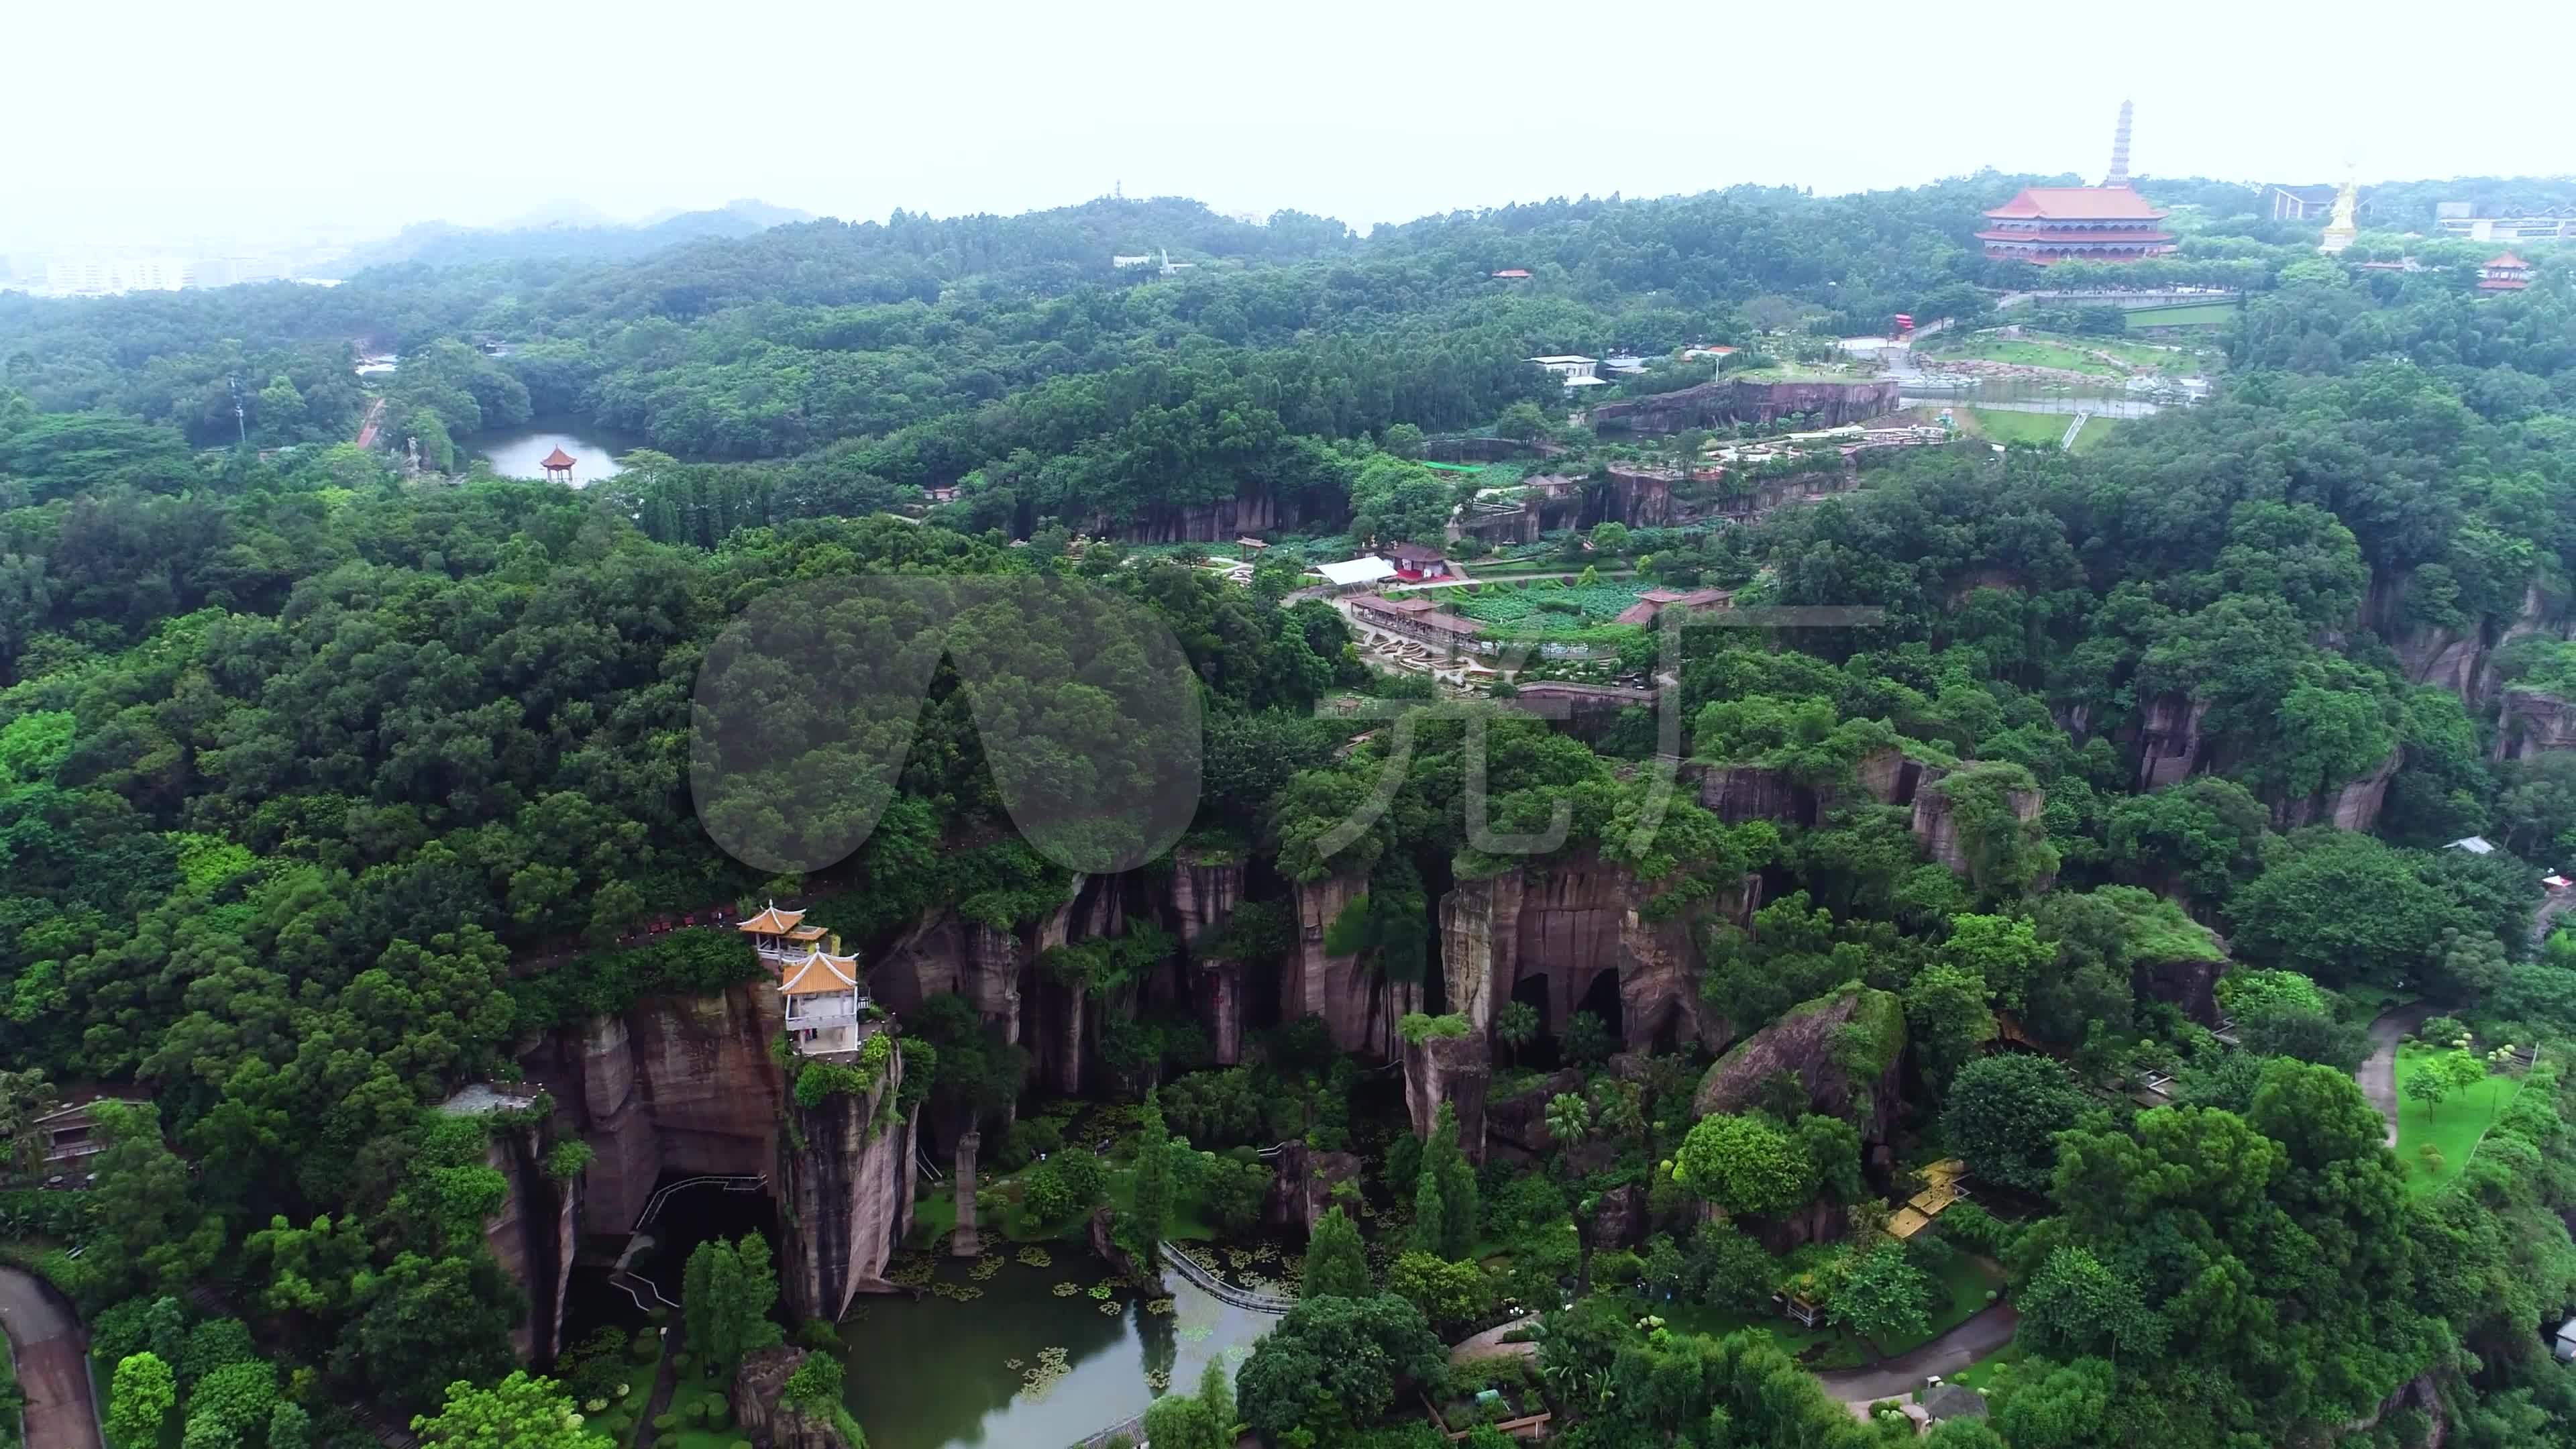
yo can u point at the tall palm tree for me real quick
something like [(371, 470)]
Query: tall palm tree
[(1569, 1121)]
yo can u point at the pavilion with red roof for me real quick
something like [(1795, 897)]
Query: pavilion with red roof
[(558, 465), (2507, 273), (2045, 224)]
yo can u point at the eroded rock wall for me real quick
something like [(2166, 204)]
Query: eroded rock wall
[(1359, 1009), (2533, 722), (1455, 1070), (531, 1237), (844, 1183)]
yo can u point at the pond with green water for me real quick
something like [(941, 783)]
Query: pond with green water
[(1023, 1364)]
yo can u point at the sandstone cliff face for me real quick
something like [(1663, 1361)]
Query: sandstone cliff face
[(1638, 498), (2191, 984), (1808, 1041), (758, 1415), (685, 1085), (531, 1237), (845, 1197), (1567, 923), (1250, 510), (1455, 1070), (1359, 1009), (2169, 740), (2533, 722), (1738, 793), (1519, 1121), (944, 955), (678, 1084), (1206, 889), (1936, 826), (2353, 805)]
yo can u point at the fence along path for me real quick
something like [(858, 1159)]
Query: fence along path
[(1217, 1288)]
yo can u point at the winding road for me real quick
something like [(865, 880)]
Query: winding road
[(2378, 1071), (1893, 1378), (52, 1363)]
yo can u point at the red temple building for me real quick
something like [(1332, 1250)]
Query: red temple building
[(2105, 223), (558, 465), (2507, 273)]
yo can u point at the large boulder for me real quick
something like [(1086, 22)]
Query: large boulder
[(1520, 1120), (1303, 1185), (1451, 1070), (761, 1418), (1846, 1049)]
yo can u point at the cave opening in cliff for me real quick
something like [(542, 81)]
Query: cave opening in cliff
[(1532, 990), (614, 1279), (1439, 878), (1601, 998)]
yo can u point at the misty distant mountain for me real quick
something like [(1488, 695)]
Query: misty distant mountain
[(564, 231)]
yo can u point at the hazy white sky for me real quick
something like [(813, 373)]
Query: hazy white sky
[(165, 120)]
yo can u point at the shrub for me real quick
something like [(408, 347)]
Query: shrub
[(665, 1423)]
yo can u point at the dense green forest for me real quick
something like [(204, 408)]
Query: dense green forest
[(302, 754)]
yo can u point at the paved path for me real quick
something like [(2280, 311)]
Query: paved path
[(53, 1364), (367, 427), (1489, 1344), (1985, 1333), (2378, 1072)]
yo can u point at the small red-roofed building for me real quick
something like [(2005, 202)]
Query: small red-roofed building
[(2507, 273)]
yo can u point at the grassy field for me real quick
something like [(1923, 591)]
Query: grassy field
[(2453, 1125), (1998, 425), (2066, 356), (2095, 430), (2199, 314)]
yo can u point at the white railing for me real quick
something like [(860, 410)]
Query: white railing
[(803, 1013)]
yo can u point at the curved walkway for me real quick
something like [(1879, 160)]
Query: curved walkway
[(2378, 1071), (1985, 1332), (53, 1365)]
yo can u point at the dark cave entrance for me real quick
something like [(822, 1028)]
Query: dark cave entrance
[(615, 1278), (1601, 998)]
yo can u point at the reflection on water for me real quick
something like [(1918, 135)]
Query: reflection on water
[(941, 1374), (517, 452)]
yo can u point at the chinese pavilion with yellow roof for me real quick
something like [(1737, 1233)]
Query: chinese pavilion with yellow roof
[(820, 990)]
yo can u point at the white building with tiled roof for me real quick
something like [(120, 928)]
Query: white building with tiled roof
[(821, 992)]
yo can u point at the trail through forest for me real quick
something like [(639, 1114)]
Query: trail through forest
[(46, 1340)]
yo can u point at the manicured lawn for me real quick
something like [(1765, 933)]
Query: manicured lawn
[(2453, 1126), (1987, 1372), (2069, 356), (2001, 426), (2095, 430), (1957, 1295), (1717, 1323), (2199, 314)]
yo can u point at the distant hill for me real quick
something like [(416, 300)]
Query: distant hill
[(568, 235)]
